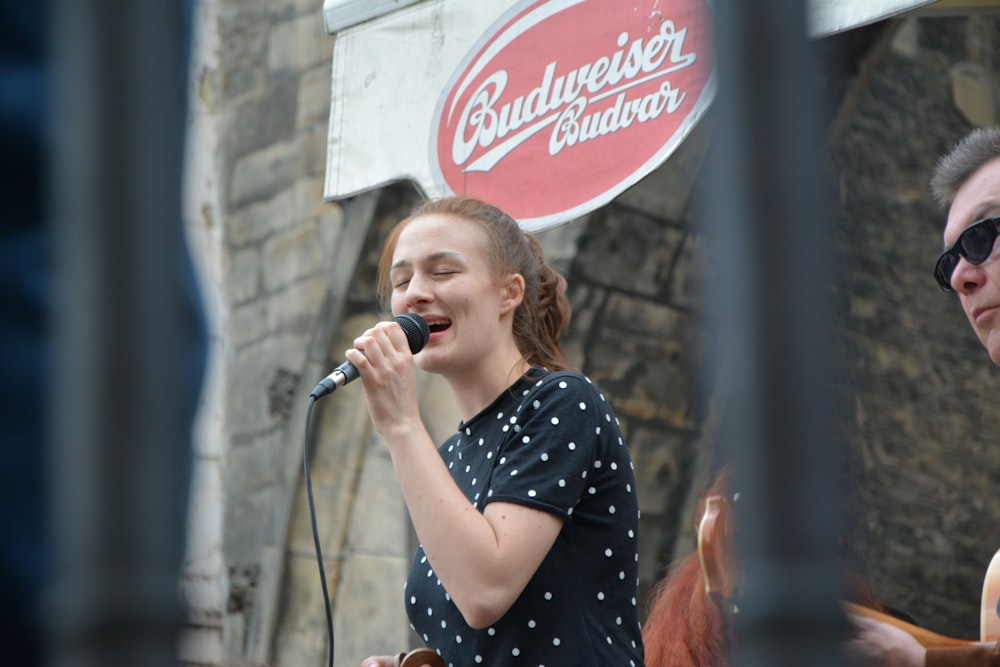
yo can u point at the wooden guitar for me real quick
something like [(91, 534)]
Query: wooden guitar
[(719, 568), (419, 657), (989, 611)]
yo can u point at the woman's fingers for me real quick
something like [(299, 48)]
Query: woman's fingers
[(379, 661)]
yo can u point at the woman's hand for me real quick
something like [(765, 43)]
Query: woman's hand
[(380, 661), (404, 659), (383, 359)]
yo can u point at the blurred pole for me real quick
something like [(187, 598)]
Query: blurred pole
[(129, 334), (771, 301)]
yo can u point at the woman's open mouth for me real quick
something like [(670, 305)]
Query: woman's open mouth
[(439, 325)]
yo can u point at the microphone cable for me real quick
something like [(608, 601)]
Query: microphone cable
[(417, 334), (315, 529)]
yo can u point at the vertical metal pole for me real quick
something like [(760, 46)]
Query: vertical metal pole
[(769, 219), (129, 334)]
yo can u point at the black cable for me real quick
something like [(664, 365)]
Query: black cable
[(417, 334), (315, 528)]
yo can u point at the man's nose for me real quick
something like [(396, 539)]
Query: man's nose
[(966, 276)]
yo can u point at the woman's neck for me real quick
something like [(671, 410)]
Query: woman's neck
[(475, 389)]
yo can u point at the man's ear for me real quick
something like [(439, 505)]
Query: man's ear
[(513, 293)]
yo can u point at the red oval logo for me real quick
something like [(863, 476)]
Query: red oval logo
[(566, 103)]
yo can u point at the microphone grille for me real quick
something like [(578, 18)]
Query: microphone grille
[(416, 329)]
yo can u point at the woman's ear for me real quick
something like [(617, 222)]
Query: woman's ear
[(513, 293)]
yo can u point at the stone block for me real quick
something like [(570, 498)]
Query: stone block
[(254, 367), (665, 192), (264, 173), (655, 535), (202, 557), (972, 93), (645, 360), (299, 43), (628, 250), (252, 462), (296, 307), (333, 506), (309, 202), (906, 40), (331, 230), (371, 618), (686, 284), (437, 406), (243, 275), (559, 243), (242, 46), (314, 96), (588, 302), (248, 323), (301, 636), (259, 220), (200, 646), (203, 598), (380, 524), (266, 117), (284, 9), (659, 473), (291, 255), (312, 140), (246, 524)]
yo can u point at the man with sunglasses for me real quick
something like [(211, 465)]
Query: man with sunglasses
[(967, 182)]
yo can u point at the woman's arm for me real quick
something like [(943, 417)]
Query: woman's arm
[(484, 560)]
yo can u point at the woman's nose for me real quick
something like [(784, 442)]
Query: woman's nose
[(417, 290)]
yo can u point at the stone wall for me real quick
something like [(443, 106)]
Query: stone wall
[(294, 284)]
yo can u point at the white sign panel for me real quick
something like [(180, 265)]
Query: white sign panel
[(387, 76), (831, 16), (549, 109)]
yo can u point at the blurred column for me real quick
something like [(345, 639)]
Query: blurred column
[(768, 218), (129, 332)]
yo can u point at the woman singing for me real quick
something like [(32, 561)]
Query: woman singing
[(527, 516)]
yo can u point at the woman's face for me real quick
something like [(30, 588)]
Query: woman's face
[(441, 270)]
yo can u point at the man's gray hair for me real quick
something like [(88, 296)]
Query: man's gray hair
[(954, 169)]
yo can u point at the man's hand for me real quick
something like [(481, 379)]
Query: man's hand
[(878, 644)]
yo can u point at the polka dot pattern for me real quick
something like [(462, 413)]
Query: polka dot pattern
[(553, 444)]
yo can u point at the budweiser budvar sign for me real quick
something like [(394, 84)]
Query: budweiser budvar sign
[(563, 104)]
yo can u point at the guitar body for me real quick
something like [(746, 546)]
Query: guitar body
[(419, 657), (715, 552), (989, 616)]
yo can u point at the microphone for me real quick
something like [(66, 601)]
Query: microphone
[(417, 334)]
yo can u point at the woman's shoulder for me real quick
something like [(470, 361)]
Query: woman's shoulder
[(572, 383)]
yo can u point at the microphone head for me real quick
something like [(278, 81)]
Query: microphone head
[(416, 329)]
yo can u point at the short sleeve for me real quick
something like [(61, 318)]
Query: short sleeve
[(545, 464)]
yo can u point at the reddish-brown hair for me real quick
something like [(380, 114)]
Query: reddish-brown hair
[(685, 627), (545, 311)]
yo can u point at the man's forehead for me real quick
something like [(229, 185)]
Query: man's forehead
[(978, 198)]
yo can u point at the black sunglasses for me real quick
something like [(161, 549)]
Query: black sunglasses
[(974, 244)]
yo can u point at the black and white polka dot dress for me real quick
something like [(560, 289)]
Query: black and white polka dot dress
[(550, 442)]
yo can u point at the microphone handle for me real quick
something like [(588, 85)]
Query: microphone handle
[(341, 375)]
